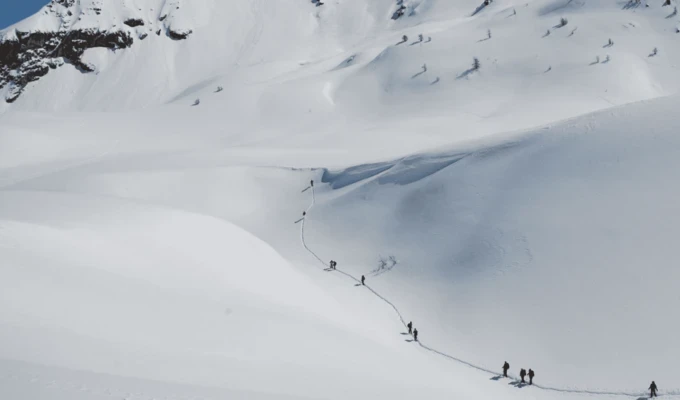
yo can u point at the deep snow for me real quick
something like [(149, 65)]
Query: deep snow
[(151, 249)]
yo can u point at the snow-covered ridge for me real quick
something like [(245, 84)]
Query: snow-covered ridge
[(64, 29)]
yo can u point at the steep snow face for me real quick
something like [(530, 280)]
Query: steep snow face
[(555, 249)]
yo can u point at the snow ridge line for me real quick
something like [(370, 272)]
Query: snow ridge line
[(450, 357)]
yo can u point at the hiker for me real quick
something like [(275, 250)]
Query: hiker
[(363, 279), (404, 38), (304, 213), (410, 327), (415, 335), (652, 389), (531, 376), (522, 374), (506, 367), (311, 183), (333, 264), (420, 37)]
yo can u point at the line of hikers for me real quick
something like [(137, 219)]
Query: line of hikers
[(522, 373), (334, 265), (414, 332)]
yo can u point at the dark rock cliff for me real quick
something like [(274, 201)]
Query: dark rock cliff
[(32, 54), (27, 55)]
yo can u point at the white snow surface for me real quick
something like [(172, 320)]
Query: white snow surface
[(525, 212)]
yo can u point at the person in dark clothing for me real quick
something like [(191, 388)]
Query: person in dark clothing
[(506, 367), (522, 374), (415, 335), (311, 183), (304, 213), (531, 376), (335, 264), (363, 279), (410, 327), (652, 389)]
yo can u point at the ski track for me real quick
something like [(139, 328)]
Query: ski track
[(671, 394)]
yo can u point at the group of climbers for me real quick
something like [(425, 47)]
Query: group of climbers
[(506, 366), (412, 331), (522, 373)]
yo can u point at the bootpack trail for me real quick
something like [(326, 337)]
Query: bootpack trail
[(638, 395)]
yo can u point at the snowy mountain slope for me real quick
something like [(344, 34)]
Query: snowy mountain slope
[(281, 62), (555, 249), (552, 249), (152, 250), (109, 286)]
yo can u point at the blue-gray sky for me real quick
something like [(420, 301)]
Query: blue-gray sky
[(12, 11)]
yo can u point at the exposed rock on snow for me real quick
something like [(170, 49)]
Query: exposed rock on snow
[(179, 34), (133, 22), (405, 7), (28, 56), (61, 32)]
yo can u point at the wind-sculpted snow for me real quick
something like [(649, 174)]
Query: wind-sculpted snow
[(501, 251), (402, 172), (572, 390)]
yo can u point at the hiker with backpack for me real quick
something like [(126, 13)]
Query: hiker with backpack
[(652, 390)]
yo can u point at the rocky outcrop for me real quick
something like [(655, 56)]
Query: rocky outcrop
[(28, 56), (405, 8), (65, 3), (176, 34), (133, 22)]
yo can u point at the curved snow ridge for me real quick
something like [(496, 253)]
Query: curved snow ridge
[(674, 393)]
